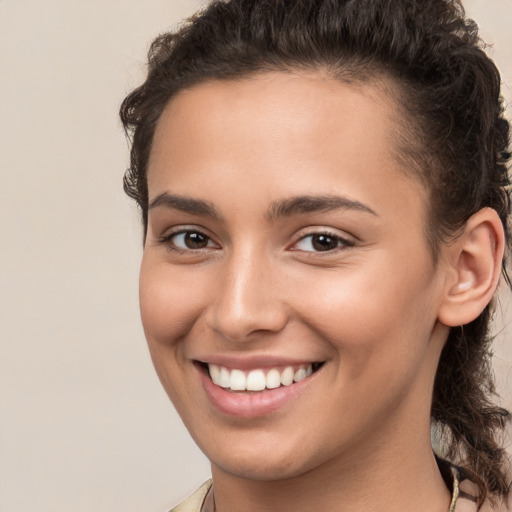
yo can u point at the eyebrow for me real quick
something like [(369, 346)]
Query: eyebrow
[(184, 204), (281, 208), (311, 204)]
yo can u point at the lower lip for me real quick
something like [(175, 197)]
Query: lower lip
[(251, 404)]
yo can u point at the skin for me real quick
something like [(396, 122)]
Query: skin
[(369, 309)]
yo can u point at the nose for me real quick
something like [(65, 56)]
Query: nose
[(249, 299)]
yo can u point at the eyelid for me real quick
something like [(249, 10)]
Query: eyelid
[(166, 239), (346, 241)]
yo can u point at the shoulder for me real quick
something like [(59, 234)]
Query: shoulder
[(194, 502)]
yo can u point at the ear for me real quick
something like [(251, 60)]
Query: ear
[(474, 266)]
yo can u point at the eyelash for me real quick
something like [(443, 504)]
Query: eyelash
[(341, 242), (168, 240)]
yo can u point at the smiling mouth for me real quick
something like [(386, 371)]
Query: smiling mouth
[(232, 379)]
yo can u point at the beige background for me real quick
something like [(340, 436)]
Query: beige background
[(84, 425)]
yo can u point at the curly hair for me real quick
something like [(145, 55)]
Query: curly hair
[(452, 136)]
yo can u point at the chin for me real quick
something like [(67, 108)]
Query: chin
[(262, 471), (257, 464)]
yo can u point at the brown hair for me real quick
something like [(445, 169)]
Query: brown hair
[(454, 138)]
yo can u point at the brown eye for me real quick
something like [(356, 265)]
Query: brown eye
[(324, 242), (188, 240), (194, 240)]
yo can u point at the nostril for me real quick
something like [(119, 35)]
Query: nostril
[(246, 307)]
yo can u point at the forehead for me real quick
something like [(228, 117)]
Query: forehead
[(278, 105), (290, 130)]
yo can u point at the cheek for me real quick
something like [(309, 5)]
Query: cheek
[(170, 301), (379, 340), (373, 312)]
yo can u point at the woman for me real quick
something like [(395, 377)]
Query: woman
[(323, 188)]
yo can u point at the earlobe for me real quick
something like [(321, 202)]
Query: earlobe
[(474, 262)]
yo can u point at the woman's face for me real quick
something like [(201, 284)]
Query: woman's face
[(284, 242)]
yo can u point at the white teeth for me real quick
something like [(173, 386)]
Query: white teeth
[(300, 374), (257, 380), (237, 380), (287, 376), (273, 379), (224, 378), (215, 374)]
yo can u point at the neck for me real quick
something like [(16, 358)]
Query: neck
[(393, 476)]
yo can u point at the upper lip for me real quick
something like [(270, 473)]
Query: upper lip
[(254, 361)]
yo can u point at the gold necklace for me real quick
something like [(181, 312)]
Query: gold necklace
[(455, 493)]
